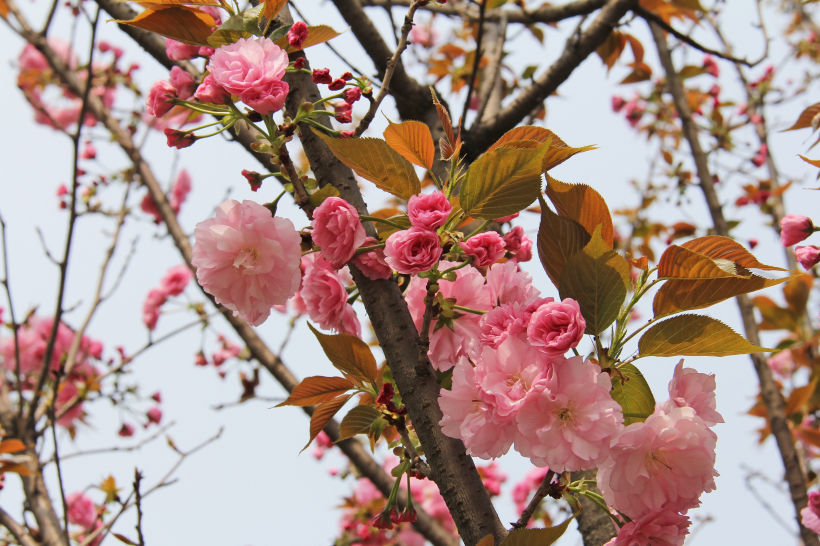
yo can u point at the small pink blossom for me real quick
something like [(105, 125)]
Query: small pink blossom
[(183, 82), (81, 509), (211, 92), (247, 259), (160, 97), (513, 239), (711, 66), (507, 320), (126, 430), (492, 476), (508, 284), (760, 158), (89, 151), (179, 139), (669, 458), (532, 481), (413, 250), (177, 51), (325, 298), (155, 299), (180, 190), (353, 94), (157, 397), (372, 263), (662, 528), (569, 424), (696, 390), (523, 254), (795, 228), (617, 104), (68, 403), (154, 415), (297, 35), (148, 206), (252, 68), (337, 230), (810, 515), (808, 256), (782, 364), (556, 327), (428, 210), (176, 279), (485, 248)]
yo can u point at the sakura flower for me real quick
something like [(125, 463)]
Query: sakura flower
[(297, 35), (508, 284), (69, 404), (183, 82), (175, 280), (412, 251), (177, 51), (669, 458), (180, 190), (247, 259), (81, 509), (810, 515), (428, 210), (325, 299), (372, 263), (556, 327), (662, 528), (126, 431), (782, 364), (808, 256), (521, 492), (337, 230), (569, 425), (795, 228), (160, 97), (485, 248), (155, 299), (693, 389), (507, 320), (211, 92), (154, 415)]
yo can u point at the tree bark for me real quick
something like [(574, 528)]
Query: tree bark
[(595, 526), (770, 393)]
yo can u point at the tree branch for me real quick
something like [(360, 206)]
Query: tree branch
[(17, 531), (769, 391), (542, 491)]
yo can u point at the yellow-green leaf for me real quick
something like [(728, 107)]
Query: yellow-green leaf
[(486, 541), (694, 335), (633, 394), (582, 204), (317, 389), (529, 132), (559, 239), (597, 278), (536, 537), (374, 160), (348, 354), (724, 248), (504, 181), (242, 25), (181, 23), (558, 154), (358, 421), (318, 197), (323, 414), (412, 139)]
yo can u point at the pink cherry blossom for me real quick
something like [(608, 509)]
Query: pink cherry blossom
[(252, 68), (176, 279), (154, 415), (508, 284), (154, 301), (669, 458), (159, 98), (532, 481), (492, 476), (507, 320), (662, 528), (247, 259), (81, 509), (148, 206), (211, 92), (428, 210), (180, 190), (523, 254), (467, 416), (556, 327), (810, 515), (177, 51), (183, 82), (372, 263), (795, 228), (32, 339), (325, 300), (808, 256), (485, 248), (446, 344), (68, 395), (569, 425), (412, 251), (126, 430), (693, 389), (782, 364), (337, 230)]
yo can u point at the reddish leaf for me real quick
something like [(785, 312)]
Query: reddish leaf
[(323, 414), (11, 446), (317, 389), (581, 203), (181, 23)]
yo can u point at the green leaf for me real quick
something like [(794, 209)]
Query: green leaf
[(597, 278), (358, 421), (694, 335), (348, 354), (242, 25), (318, 197), (374, 160), (279, 32), (559, 239), (503, 181), (317, 389), (632, 392), (536, 537)]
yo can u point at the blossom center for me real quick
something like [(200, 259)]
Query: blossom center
[(566, 415), (247, 258)]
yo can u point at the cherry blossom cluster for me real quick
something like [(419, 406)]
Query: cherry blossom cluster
[(171, 285), (795, 228)]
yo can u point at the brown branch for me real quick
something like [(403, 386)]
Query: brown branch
[(595, 525), (543, 490), (19, 532), (482, 10), (544, 14), (480, 137), (491, 89), (369, 468), (770, 393), (392, 65)]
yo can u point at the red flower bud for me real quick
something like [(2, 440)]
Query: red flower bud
[(322, 75), (299, 63), (336, 84), (179, 139), (254, 179), (386, 395)]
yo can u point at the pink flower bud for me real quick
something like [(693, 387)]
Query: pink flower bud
[(556, 327), (353, 94), (347, 134), (254, 179), (344, 117), (89, 151), (336, 84), (159, 98), (485, 248), (347, 76), (182, 82), (177, 51), (297, 35), (413, 250), (372, 263), (337, 230), (157, 397), (795, 228), (808, 256), (200, 360), (211, 92), (513, 239), (505, 219), (206, 51), (179, 139), (322, 75), (617, 104), (711, 66), (523, 254), (428, 210), (154, 415), (126, 430)]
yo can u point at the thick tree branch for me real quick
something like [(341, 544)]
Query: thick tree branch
[(19, 532), (594, 524), (769, 391), (576, 50)]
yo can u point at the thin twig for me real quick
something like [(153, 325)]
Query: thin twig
[(535, 502), (482, 9), (57, 452), (118, 449), (138, 502), (14, 325), (391, 67), (45, 246)]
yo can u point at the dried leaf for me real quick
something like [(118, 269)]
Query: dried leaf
[(181, 23), (805, 119), (632, 392), (582, 204), (317, 389), (597, 278), (444, 116), (559, 239), (348, 354), (358, 421), (504, 181), (612, 48), (799, 397), (374, 160), (412, 139), (323, 414), (796, 292), (486, 541), (125, 539), (694, 335), (4, 9)]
